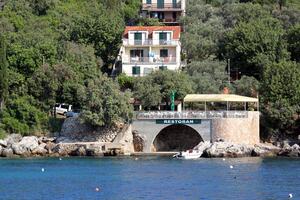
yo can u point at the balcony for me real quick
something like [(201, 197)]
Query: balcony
[(162, 7), (127, 42), (149, 60)]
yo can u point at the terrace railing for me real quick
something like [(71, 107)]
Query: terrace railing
[(149, 60), (148, 42), (190, 115), (165, 6)]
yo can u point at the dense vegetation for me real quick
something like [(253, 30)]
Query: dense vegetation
[(61, 51), (260, 40), (57, 51)]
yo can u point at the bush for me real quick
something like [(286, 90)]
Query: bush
[(21, 116)]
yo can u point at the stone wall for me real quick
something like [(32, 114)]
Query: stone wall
[(237, 130), (75, 131)]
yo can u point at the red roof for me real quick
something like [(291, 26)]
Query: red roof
[(176, 30)]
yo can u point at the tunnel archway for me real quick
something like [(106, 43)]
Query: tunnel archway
[(177, 137)]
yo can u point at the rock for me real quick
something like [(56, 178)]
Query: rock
[(65, 149), (26, 145), (7, 152), (80, 151), (13, 138), (94, 150), (40, 150), (50, 146), (19, 150), (138, 141), (265, 150), (46, 139), (290, 151), (1, 149), (225, 149), (3, 143), (202, 146)]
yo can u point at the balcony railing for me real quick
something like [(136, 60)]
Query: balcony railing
[(127, 42), (190, 115), (149, 60), (165, 6)]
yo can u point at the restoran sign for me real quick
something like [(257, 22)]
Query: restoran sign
[(178, 121)]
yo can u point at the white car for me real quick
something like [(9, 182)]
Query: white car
[(62, 109)]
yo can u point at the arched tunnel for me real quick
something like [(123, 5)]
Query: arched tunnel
[(176, 138)]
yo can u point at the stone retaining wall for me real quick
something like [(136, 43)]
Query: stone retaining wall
[(237, 130)]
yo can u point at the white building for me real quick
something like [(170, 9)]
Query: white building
[(167, 11), (148, 48)]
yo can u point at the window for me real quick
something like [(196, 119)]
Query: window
[(163, 67), (174, 3), (164, 53), (163, 38), (137, 53), (136, 70), (148, 2), (160, 3), (138, 38)]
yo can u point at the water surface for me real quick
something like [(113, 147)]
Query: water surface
[(149, 178)]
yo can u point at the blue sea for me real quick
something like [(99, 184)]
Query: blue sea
[(149, 178)]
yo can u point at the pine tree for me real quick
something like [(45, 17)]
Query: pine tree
[(3, 73)]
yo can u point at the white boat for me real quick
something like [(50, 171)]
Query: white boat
[(189, 154)]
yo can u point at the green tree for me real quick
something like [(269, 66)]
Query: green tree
[(280, 96), (3, 73), (208, 76), (149, 96), (203, 28), (247, 86), (162, 83), (251, 46), (105, 105), (22, 116), (293, 40)]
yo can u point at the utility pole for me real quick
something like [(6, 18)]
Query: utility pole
[(173, 100), (228, 63)]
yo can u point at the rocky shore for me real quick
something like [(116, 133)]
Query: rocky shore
[(31, 146), (226, 149)]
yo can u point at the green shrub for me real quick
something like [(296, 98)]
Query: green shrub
[(21, 116)]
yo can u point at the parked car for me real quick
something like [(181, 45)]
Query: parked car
[(73, 113), (62, 109)]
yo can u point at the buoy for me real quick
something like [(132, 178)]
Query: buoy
[(43, 169), (290, 196), (224, 159), (136, 158), (60, 159), (231, 167), (97, 189)]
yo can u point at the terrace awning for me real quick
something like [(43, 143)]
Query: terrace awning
[(218, 98)]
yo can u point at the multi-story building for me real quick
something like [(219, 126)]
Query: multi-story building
[(167, 11), (148, 48)]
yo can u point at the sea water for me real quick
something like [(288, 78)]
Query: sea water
[(149, 178)]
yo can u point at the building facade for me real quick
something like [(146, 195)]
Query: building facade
[(167, 11), (149, 48)]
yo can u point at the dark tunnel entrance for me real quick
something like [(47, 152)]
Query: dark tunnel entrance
[(176, 138)]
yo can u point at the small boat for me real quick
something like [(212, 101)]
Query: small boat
[(189, 154)]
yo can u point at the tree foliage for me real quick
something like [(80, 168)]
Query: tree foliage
[(158, 86), (3, 73), (280, 96), (208, 76), (251, 46), (293, 40)]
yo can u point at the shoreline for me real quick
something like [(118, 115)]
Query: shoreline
[(16, 146)]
